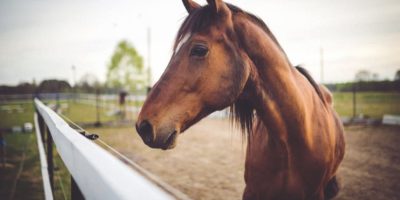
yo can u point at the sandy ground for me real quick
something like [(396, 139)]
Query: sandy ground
[(371, 167), (208, 162)]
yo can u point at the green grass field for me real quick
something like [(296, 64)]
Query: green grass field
[(16, 113), (371, 104), (83, 113), (29, 184), (22, 160)]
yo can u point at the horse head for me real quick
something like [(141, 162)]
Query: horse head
[(207, 72)]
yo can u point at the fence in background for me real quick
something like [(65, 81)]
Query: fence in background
[(103, 101), (70, 96), (95, 173)]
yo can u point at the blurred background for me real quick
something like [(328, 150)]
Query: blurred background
[(94, 62)]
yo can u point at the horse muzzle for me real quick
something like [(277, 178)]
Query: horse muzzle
[(161, 139)]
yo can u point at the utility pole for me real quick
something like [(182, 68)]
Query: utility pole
[(149, 57), (73, 75), (354, 99), (74, 79), (97, 123)]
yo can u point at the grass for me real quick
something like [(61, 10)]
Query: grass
[(19, 112), (84, 113), (372, 104), (87, 113), (16, 113), (29, 184), (62, 179)]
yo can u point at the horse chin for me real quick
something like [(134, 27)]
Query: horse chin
[(171, 141), (166, 143), (169, 147)]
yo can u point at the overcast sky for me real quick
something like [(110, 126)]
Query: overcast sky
[(42, 39)]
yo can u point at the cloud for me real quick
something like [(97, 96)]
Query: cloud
[(43, 39)]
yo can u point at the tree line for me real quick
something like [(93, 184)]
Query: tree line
[(366, 86), (61, 86), (49, 86)]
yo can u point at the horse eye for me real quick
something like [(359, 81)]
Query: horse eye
[(199, 51)]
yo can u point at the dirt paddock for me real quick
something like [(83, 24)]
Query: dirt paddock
[(208, 162)]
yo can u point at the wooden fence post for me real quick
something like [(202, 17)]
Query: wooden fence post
[(41, 126), (76, 193), (354, 100), (50, 165)]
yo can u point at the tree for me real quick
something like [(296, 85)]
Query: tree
[(375, 77), (397, 76), (21, 88), (125, 70), (363, 75), (53, 86), (88, 83)]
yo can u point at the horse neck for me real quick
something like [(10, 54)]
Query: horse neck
[(275, 92)]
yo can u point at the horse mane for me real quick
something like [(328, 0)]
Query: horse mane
[(305, 73), (241, 111)]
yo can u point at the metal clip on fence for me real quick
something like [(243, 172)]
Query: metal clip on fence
[(90, 136)]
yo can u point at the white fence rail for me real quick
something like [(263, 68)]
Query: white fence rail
[(98, 174), (48, 193), (391, 119)]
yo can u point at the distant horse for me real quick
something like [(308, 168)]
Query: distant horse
[(224, 56)]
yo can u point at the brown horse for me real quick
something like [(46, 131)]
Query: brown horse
[(224, 56)]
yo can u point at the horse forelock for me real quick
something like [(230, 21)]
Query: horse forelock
[(196, 21)]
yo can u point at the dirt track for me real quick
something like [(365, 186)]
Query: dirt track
[(208, 162), (371, 168)]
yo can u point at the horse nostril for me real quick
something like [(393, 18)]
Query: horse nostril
[(145, 130)]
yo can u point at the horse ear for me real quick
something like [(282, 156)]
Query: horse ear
[(215, 5), (190, 5)]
